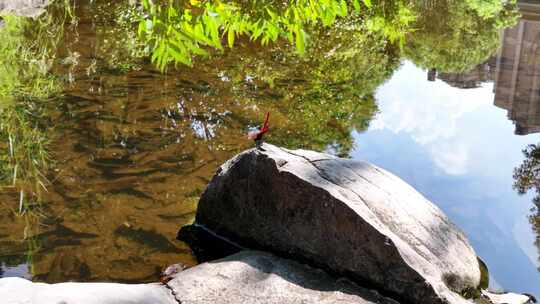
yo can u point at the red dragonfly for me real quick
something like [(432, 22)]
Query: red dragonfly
[(258, 134)]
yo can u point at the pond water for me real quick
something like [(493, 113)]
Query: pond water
[(124, 151)]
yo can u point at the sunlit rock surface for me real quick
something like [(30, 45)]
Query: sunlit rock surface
[(247, 277), (258, 277), (28, 8), (348, 216), (21, 291), (507, 298)]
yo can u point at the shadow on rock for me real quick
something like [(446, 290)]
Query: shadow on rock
[(205, 245)]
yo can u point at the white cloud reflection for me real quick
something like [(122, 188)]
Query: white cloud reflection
[(459, 150), (430, 113)]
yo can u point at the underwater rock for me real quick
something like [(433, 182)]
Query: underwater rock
[(349, 217)]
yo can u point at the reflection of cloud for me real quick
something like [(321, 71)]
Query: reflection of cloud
[(452, 158), (429, 112)]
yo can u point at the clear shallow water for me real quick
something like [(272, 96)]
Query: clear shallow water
[(131, 149)]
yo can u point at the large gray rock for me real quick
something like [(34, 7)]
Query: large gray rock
[(27, 8), (347, 216)]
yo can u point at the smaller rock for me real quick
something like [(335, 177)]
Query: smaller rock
[(507, 298), (21, 291), (256, 277), (170, 271)]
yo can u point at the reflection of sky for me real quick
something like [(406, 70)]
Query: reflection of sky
[(15, 271), (459, 150)]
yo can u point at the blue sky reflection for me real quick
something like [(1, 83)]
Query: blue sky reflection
[(459, 150)]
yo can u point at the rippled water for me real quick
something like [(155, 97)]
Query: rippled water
[(131, 149)]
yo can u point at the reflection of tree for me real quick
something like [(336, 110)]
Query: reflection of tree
[(527, 177), (23, 138), (448, 35), (323, 96), (18, 242), (27, 55), (33, 69), (535, 222), (176, 30), (454, 36), (134, 148)]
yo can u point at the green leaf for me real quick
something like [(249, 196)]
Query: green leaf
[(301, 41), (230, 37), (142, 28), (356, 5), (343, 9)]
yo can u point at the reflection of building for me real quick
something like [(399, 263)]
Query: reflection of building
[(473, 78), (517, 79), (515, 70)]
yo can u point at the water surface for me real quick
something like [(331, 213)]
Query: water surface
[(124, 150)]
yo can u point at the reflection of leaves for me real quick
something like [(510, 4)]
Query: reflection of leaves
[(23, 138), (27, 55), (454, 36), (19, 246), (317, 100), (25, 61), (176, 31), (527, 177), (535, 222), (118, 48)]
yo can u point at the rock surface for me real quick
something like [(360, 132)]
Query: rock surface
[(257, 277), (507, 298), (247, 277), (347, 216), (28, 8), (21, 291)]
